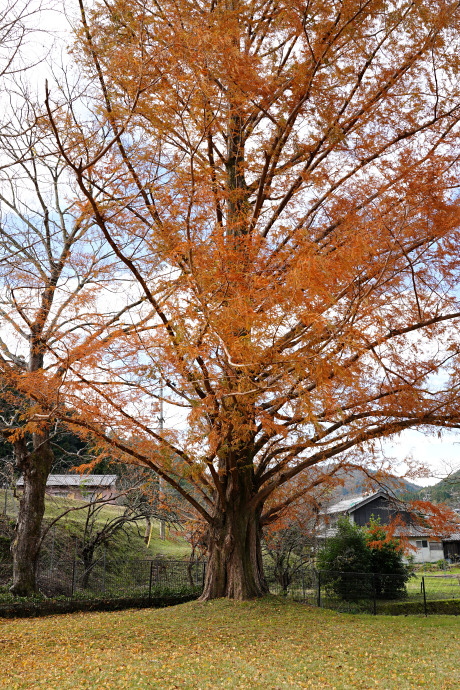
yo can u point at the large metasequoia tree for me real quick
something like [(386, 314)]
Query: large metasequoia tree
[(279, 183)]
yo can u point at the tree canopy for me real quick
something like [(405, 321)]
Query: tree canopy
[(277, 183)]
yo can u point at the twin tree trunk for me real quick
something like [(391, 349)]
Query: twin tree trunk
[(235, 568), (25, 548)]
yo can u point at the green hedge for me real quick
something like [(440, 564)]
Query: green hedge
[(29, 608), (404, 608)]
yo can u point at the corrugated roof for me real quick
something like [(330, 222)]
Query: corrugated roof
[(415, 531), (453, 536), (347, 504), (77, 480), (418, 532)]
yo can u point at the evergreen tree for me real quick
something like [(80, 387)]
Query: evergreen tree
[(371, 554)]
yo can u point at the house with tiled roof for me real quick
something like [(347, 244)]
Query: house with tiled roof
[(428, 546), (84, 487)]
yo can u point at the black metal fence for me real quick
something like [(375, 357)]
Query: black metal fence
[(70, 584), (368, 592), (143, 578), (70, 567), (65, 578)]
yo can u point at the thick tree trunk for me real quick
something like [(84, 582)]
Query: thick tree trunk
[(25, 548), (235, 567)]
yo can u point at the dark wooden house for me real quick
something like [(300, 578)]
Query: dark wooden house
[(428, 546)]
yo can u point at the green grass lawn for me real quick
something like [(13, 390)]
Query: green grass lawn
[(438, 585), (270, 644)]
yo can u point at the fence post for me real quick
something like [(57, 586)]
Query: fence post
[(150, 579), (319, 589), (374, 592), (303, 579), (53, 535), (74, 571), (424, 595), (103, 572)]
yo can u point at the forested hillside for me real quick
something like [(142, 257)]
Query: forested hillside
[(446, 491)]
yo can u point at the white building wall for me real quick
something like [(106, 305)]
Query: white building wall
[(431, 553)]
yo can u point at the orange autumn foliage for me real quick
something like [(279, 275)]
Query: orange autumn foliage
[(277, 183)]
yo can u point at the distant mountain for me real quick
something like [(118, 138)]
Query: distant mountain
[(357, 482), (446, 491)]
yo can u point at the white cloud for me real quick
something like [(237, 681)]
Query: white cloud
[(441, 455)]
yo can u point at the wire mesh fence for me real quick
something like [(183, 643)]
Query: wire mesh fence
[(65, 579), (9, 503), (445, 586), (65, 575), (367, 592), (299, 581), (134, 578)]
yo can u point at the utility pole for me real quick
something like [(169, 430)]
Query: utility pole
[(160, 479)]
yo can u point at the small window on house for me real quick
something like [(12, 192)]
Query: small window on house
[(435, 546), (421, 543)]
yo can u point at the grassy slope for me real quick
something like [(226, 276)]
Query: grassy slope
[(75, 524), (269, 644), (132, 542), (72, 525)]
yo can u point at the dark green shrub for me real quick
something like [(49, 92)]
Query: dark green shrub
[(386, 560), (360, 563), (345, 553)]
